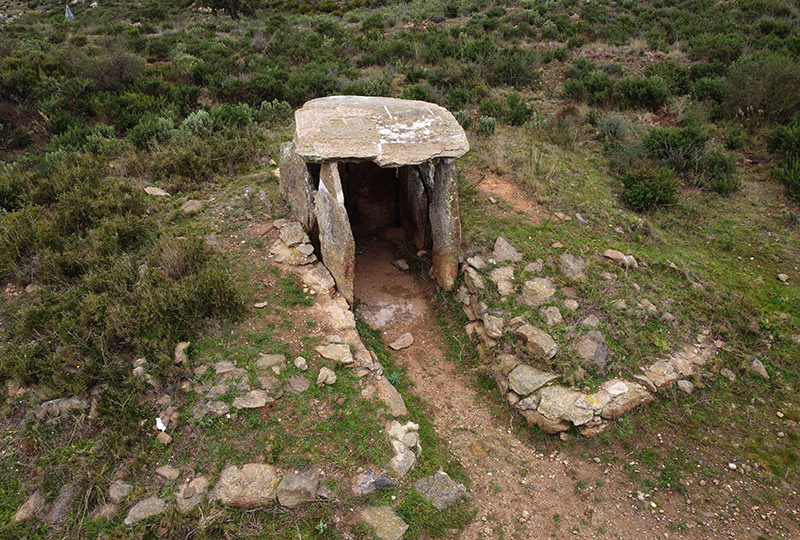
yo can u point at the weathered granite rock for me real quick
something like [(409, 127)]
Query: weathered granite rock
[(537, 291), (389, 395), (390, 132), (474, 280), (403, 342), (536, 341), (337, 245), (60, 407), (339, 352), (545, 424), (573, 267), (503, 277), (635, 395), (118, 490), (326, 377), (524, 379), (254, 399), (386, 524), (191, 494), (251, 485), (440, 490), (758, 368), (687, 387), (627, 261), (504, 251), (317, 278), (551, 315), (293, 256), (593, 348), (298, 488), (368, 481), (493, 326), (297, 384), (292, 234), (662, 373), (31, 507), (144, 509), (558, 403), (445, 223), (403, 462), (297, 186)]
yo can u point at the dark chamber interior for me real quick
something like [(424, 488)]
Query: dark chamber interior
[(371, 196)]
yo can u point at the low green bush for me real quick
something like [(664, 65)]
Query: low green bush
[(487, 125), (789, 174), (649, 92), (650, 187), (681, 149), (719, 170), (151, 129), (518, 111), (762, 86), (613, 127)]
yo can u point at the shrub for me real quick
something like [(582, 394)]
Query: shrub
[(719, 169), (613, 127), (518, 111), (647, 188), (487, 125), (229, 115), (675, 75), (463, 118), (678, 148), (734, 138), (762, 85), (789, 174), (276, 112), (151, 129), (708, 89), (643, 92), (492, 106), (198, 123)]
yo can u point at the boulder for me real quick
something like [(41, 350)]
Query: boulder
[(620, 404), (474, 280), (524, 379), (572, 267), (537, 291), (335, 236), (504, 251), (383, 520), (292, 234), (389, 395), (144, 509), (247, 486), (403, 342), (297, 186), (339, 352), (493, 326), (440, 490), (558, 403), (536, 341), (445, 223), (503, 277), (317, 278), (298, 488), (403, 462), (326, 377), (545, 424)]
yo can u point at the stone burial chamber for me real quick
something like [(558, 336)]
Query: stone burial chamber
[(359, 164)]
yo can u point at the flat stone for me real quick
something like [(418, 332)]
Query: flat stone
[(298, 384), (105, 511), (402, 342), (558, 403), (254, 399), (301, 363), (572, 267), (687, 387), (728, 374), (317, 278), (156, 191), (503, 277), (504, 251), (545, 424), (592, 321), (118, 490), (191, 494), (535, 267), (537, 291), (571, 305), (389, 395), (440, 490), (389, 132), (368, 482), (248, 486), (192, 205), (536, 341), (180, 352), (627, 401), (220, 368), (293, 234), (293, 256), (493, 326), (383, 520), (662, 373), (627, 261), (401, 264), (298, 488), (216, 408), (60, 407), (593, 348), (144, 509), (168, 471), (403, 462), (31, 507), (524, 379), (269, 382), (758, 368), (339, 352), (551, 315), (474, 280), (326, 376), (478, 262), (267, 361)]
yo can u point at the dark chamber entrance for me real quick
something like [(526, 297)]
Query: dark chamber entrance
[(370, 196)]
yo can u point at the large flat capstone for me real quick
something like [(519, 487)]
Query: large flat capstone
[(389, 132)]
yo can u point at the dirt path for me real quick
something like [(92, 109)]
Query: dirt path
[(565, 497)]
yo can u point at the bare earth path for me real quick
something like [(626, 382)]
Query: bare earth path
[(561, 496)]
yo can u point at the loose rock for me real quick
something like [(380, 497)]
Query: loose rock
[(687, 387), (180, 352), (31, 507), (504, 251), (525, 379), (440, 490), (537, 291), (536, 341), (386, 524), (368, 481), (403, 342), (191, 494), (254, 399), (758, 368), (298, 488), (551, 315), (573, 267), (326, 377), (298, 384), (248, 486), (144, 509)]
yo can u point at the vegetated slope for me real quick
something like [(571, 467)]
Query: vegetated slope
[(560, 97)]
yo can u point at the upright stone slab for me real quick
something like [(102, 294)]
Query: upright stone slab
[(445, 223), (414, 207), (335, 236), (297, 186)]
